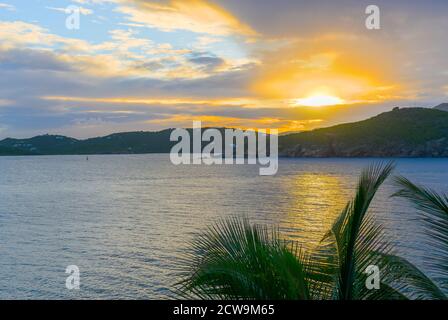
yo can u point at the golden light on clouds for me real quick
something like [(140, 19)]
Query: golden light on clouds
[(159, 101), (317, 87), (327, 70), (193, 15), (282, 125)]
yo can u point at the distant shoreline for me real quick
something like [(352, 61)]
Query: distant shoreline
[(166, 153), (400, 133)]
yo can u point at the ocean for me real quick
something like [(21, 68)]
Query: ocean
[(125, 220)]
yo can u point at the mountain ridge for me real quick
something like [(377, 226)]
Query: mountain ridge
[(406, 132), (442, 106)]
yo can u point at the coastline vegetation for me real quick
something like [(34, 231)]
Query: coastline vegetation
[(234, 259)]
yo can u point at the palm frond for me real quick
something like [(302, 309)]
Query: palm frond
[(370, 248), (434, 209), (354, 237), (323, 271), (423, 198), (234, 260), (407, 280)]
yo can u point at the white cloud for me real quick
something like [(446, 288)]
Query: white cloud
[(82, 10), (7, 6), (21, 33), (90, 2), (125, 54), (204, 42)]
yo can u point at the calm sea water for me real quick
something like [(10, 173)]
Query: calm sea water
[(126, 220)]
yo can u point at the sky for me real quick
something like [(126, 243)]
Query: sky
[(291, 65)]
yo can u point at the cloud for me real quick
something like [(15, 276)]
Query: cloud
[(198, 16), (206, 62), (28, 75), (204, 42), (126, 39), (95, 2), (6, 102), (18, 59), (21, 33), (7, 6), (82, 10), (238, 64), (125, 54), (186, 120)]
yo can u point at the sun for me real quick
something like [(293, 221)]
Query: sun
[(318, 100)]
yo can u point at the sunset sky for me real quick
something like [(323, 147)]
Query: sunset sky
[(148, 65)]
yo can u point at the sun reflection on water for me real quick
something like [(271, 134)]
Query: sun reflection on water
[(315, 200)]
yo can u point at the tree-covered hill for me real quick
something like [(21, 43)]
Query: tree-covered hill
[(409, 132)]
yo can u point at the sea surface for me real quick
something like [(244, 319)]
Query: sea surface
[(125, 220)]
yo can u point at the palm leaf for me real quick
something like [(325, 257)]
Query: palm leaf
[(405, 279), (234, 260), (356, 238), (434, 209)]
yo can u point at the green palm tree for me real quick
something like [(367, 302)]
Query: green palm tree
[(434, 213), (237, 260)]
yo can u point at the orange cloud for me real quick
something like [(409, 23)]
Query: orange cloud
[(158, 101)]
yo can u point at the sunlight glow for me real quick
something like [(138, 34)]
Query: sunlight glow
[(318, 101)]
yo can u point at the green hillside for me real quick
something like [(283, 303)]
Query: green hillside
[(5, 151), (442, 106), (401, 132), (119, 143)]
